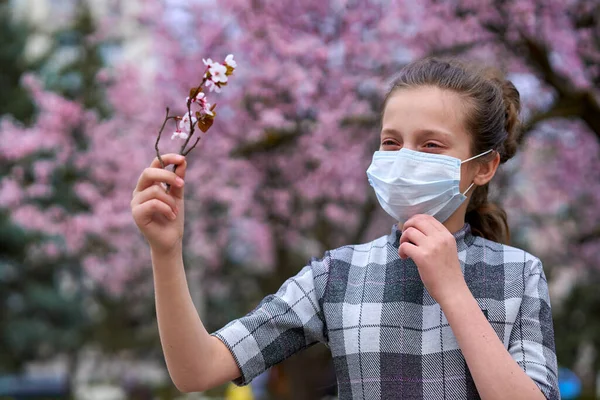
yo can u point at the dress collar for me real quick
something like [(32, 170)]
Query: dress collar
[(463, 236)]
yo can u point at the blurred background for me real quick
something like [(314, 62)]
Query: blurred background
[(279, 178)]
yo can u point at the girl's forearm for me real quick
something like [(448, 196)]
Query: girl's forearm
[(496, 374), (195, 360)]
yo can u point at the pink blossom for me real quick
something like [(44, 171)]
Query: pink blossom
[(38, 190), (185, 123), (212, 86), (199, 99), (208, 62), (103, 76), (11, 193), (88, 192), (218, 73), (180, 134), (50, 249), (230, 62), (43, 170)]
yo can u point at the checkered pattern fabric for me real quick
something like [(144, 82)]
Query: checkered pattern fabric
[(388, 337)]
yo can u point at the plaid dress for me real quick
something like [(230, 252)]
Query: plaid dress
[(388, 337)]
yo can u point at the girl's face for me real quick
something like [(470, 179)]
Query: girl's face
[(430, 120)]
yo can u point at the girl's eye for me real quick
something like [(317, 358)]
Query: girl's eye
[(431, 145), (388, 143)]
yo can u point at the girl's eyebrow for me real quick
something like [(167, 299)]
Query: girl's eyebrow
[(427, 132), (391, 131)]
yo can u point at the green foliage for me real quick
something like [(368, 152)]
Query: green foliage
[(78, 80), (13, 37), (37, 317)]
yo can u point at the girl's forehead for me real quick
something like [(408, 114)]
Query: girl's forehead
[(424, 108), (425, 101)]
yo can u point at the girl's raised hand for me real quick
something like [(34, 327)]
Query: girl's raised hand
[(158, 214), (433, 248)]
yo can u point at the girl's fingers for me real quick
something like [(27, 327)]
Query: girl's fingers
[(151, 175), (168, 159), (407, 250), (154, 192), (177, 191), (412, 235), (144, 213), (424, 223)]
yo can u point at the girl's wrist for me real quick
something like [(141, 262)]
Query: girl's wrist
[(168, 268), (166, 255), (456, 297), (166, 245)]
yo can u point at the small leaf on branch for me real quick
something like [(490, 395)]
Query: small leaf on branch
[(194, 91), (205, 123)]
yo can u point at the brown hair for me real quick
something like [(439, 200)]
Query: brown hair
[(492, 119)]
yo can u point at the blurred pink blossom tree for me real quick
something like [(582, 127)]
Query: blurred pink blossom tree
[(281, 176)]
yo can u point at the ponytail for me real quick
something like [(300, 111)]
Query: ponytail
[(487, 219)]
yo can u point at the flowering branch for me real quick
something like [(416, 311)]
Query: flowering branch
[(214, 78)]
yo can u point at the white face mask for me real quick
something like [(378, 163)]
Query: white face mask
[(409, 182)]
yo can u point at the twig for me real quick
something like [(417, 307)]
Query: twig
[(162, 128), (192, 148)]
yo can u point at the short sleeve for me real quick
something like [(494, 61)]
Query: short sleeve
[(531, 342), (281, 325)]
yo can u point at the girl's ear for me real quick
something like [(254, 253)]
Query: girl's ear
[(487, 170)]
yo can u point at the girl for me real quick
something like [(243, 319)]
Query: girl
[(439, 308)]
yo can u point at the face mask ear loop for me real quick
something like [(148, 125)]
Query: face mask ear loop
[(477, 156), (469, 188)]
